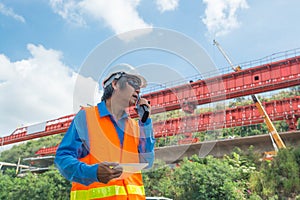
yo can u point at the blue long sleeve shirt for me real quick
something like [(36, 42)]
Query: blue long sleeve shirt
[(75, 145)]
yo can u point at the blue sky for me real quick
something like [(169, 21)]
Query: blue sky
[(44, 43)]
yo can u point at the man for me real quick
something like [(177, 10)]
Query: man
[(102, 137)]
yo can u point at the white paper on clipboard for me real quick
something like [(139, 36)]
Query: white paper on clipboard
[(133, 167)]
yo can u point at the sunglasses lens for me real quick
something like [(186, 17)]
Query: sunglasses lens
[(134, 83)]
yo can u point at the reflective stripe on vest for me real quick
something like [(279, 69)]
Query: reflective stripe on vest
[(107, 192), (133, 189), (98, 192)]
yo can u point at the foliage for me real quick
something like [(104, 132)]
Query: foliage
[(166, 115), (279, 178), (240, 101), (49, 185), (158, 180), (207, 178), (202, 178), (235, 176), (28, 148)]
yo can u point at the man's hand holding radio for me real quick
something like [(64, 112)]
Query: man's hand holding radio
[(143, 108)]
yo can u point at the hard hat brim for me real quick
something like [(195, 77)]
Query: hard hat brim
[(141, 78), (115, 76)]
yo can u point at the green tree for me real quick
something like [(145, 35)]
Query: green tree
[(6, 183), (278, 178), (287, 170), (208, 178), (158, 181), (47, 186)]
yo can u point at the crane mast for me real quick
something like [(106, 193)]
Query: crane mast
[(275, 137)]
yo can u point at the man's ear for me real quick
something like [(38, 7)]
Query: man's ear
[(114, 84)]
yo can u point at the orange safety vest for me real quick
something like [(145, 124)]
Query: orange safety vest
[(105, 146)]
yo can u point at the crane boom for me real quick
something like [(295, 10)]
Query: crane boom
[(275, 137), (270, 125), (226, 56)]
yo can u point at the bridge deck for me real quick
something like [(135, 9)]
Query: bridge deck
[(261, 143)]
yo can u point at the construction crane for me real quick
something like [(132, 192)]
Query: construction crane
[(275, 137)]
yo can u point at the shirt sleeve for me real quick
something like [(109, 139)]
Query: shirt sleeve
[(147, 143), (74, 145)]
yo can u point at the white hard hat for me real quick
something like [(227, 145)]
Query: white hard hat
[(123, 69)]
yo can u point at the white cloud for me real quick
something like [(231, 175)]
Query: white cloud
[(69, 10), (34, 90), (120, 15), (220, 15), (10, 13), (167, 5)]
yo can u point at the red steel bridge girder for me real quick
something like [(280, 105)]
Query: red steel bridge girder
[(47, 150), (53, 127), (286, 109)]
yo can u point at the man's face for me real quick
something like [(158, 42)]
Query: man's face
[(130, 91)]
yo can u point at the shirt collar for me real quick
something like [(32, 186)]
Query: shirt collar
[(103, 111)]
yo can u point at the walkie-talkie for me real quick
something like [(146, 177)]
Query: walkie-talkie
[(142, 110)]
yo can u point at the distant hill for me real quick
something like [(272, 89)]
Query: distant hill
[(29, 148)]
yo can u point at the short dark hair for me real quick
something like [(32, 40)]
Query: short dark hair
[(108, 91)]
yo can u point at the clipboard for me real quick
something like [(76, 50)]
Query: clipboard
[(133, 167)]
